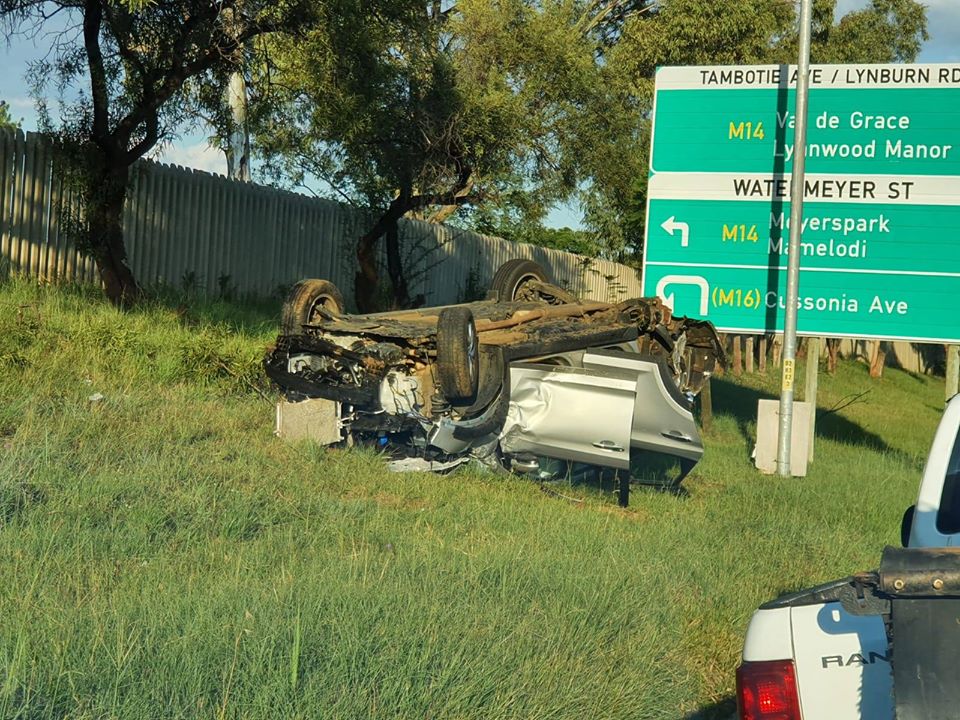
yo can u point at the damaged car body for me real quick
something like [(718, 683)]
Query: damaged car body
[(528, 377)]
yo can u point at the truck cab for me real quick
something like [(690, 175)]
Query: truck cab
[(825, 653)]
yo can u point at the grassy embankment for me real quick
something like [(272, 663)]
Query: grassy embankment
[(163, 555)]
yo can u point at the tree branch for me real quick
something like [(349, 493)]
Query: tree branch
[(158, 88), (122, 33), (92, 19), (149, 139), (460, 197)]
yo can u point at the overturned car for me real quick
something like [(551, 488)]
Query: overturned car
[(532, 378)]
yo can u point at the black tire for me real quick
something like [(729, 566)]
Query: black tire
[(906, 524), (494, 423), (303, 301), (511, 276), (458, 357)]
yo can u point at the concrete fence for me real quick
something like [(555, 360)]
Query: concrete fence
[(189, 228)]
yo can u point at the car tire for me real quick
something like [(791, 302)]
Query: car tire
[(511, 276), (458, 357), (303, 302), (494, 422)]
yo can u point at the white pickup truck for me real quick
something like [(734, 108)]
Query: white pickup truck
[(875, 646)]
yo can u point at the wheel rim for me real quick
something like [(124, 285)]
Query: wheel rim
[(472, 353), (323, 301), (521, 282)]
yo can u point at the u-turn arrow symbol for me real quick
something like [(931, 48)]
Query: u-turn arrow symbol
[(700, 282)]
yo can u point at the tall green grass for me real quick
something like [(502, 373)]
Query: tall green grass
[(163, 555)]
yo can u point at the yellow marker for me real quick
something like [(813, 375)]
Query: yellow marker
[(788, 368)]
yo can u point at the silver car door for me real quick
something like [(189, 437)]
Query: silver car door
[(578, 414), (662, 419)]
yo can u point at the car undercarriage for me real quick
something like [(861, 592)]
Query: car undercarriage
[(526, 378)]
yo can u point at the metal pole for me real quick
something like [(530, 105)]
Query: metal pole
[(793, 263), (810, 391)]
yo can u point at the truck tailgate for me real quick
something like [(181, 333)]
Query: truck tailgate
[(842, 664)]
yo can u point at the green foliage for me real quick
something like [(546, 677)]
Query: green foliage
[(507, 108), (885, 31), (525, 230), (136, 71), (364, 83), (421, 109), (687, 32), (691, 32), (6, 120), (126, 75), (483, 104)]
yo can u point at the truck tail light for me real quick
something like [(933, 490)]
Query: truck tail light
[(767, 691)]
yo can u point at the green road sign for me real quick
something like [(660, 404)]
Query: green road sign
[(880, 249), (846, 129), (753, 300)]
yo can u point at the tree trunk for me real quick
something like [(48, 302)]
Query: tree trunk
[(878, 358), (401, 296), (833, 354), (107, 194), (238, 148), (367, 279)]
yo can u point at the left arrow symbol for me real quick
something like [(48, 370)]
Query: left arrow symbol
[(671, 225)]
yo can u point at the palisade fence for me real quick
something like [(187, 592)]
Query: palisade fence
[(203, 232)]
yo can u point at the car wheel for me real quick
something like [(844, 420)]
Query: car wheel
[(307, 302), (493, 423), (510, 278), (458, 357)]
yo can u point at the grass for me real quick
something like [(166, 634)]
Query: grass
[(163, 555)]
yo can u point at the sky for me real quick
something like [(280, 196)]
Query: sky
[(943, 18)]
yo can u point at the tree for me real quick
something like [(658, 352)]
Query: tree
[(423, 108), (533, 232), (691, 32), (488, 113), (6, 120), (129, 64)]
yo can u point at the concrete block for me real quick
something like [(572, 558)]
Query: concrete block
[(768, 433), (315, 419)]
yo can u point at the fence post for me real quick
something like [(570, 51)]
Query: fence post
[(706, 406), (953, 370), (7, 156)]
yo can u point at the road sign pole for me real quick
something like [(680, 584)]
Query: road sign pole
[(793, 265), (810, 391)]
